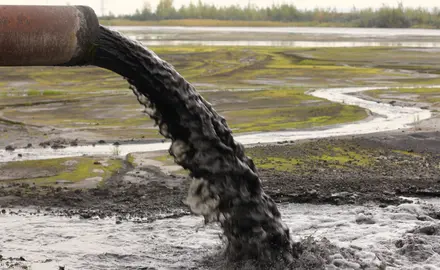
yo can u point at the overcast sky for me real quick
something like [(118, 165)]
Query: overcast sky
[(129, 6)]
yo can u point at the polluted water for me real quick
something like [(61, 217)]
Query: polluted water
[(226, 190)]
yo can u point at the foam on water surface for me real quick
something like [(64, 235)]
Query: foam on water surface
[(376, 237)]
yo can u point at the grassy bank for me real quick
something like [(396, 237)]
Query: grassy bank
[(218, 23), (229, 23), (418, 94), (79, 171), (308, 156)]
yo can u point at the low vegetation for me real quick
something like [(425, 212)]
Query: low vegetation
[(335, 154), (430, 95), (64, 171), (264, 89), (202, 14), (255, 88)]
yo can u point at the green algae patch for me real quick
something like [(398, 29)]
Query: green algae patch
[(277, 163), (131, 160), (61, 171), (293, 117), (407, 153), (165, 159), (418, 94), (33, 92), (296, 157), (293, 95), (338, 156)]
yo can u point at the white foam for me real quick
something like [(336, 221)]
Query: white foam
[(184, 242)]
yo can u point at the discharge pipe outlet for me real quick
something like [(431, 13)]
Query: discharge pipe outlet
[(47, 35)]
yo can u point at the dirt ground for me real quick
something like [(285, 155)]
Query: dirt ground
[(399, 164)]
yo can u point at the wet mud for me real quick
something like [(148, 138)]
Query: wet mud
[(404, 165)]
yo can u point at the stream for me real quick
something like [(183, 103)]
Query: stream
[(386, 117)]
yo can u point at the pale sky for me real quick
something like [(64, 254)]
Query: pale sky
[(129, 6)]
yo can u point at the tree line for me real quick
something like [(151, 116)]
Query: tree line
[(384, 17)]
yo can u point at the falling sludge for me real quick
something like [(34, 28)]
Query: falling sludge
[(225, 186)]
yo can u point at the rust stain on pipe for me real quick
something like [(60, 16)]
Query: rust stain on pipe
[(46, 35)]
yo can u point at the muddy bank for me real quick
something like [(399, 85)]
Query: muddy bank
[(123, 199), (378, 168)]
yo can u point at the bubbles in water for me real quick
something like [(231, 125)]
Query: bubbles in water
[(202, 200), (330, 237)]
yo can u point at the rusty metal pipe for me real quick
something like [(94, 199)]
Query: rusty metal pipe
[(47, 35)]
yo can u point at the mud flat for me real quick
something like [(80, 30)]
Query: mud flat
[(356, 192), (53, 106), (378, 168)]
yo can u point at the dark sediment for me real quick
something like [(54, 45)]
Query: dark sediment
[(226, 186), (391, 175)]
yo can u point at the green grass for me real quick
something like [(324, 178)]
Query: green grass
[(407, 153), (420, 94), (291, 158), (339, 156), (278, 163), (208, 22), (293, 95), (83, 169), (131, 160), (44, 93), (293, 117), (166, 159)]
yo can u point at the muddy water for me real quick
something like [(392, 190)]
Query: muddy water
[(354, 32), (297, 44), (282, 36), (370, 232), (386, 118)]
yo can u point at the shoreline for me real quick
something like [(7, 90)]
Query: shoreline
[(238, 23), (167, 191)]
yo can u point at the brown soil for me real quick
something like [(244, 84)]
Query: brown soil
[(402, 165), (414, 172)]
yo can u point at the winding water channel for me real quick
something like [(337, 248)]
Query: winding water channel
[(385, 117)]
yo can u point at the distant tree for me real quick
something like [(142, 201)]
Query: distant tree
[(165, 10), (386, 16)]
